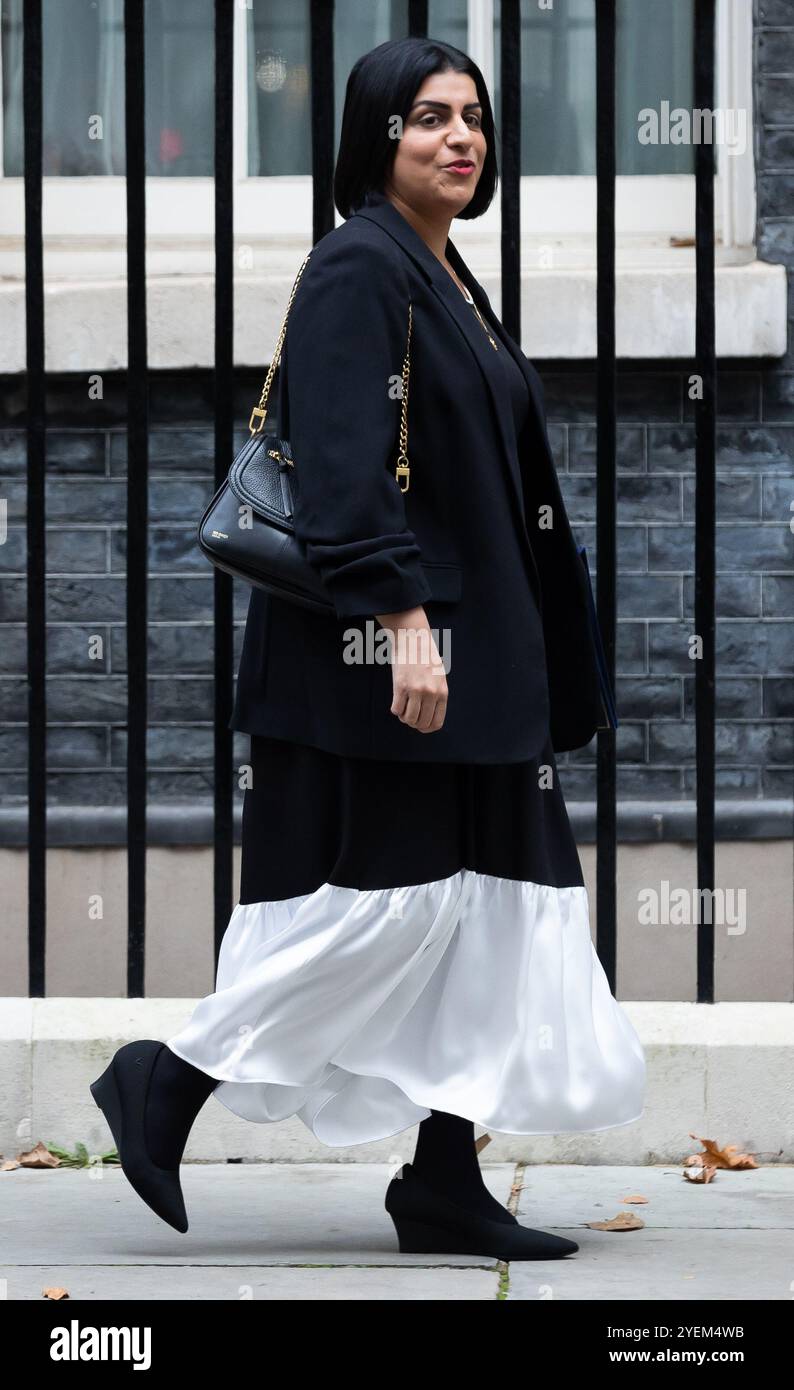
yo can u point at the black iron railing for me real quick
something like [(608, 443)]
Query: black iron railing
[(137, 494), (705, 498), (223, 590), (606, 479), (36, 469), (322, 126)]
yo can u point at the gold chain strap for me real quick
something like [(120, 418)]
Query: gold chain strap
[(403, 470), (259, 412)]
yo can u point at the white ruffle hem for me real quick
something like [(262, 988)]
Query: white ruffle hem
[(361, 1010)]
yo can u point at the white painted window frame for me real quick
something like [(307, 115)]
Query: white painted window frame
[(556, 212)]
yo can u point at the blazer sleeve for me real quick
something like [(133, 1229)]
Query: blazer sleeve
[(346, 337)]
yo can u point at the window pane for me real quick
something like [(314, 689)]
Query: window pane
[(279, 111), (279, 133), (83, 86), (448, 21), (180, 87), (666, 32), (558, 84)]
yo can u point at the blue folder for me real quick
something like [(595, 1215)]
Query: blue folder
[(607, 695)]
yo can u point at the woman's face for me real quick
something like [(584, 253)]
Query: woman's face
[(443, 127)]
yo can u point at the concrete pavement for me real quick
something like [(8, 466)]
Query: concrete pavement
[(319, 1232)]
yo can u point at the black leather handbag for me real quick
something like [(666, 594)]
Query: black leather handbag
[(247, 529)]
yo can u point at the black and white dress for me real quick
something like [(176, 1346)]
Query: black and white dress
[(408, 937)]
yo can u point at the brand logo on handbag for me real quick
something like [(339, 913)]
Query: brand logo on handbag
[(220, 535)]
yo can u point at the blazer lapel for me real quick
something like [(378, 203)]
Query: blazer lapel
[(530, 374), (385, 214)]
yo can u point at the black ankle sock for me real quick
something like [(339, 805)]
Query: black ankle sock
[(177, 1091), (446, 1160)]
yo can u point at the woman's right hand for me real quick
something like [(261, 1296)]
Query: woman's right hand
[(419, 682)]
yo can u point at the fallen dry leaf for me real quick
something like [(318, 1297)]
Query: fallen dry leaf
[(55, 1293), (8, 1165), (704, 1173), (624, 1221), (725, 1157), (635, 1197), (40, 1157)]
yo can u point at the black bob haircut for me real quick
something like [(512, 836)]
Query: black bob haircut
[(382, 84)]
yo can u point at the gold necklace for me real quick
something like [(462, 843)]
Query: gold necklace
[(468, 297), (491, 340)]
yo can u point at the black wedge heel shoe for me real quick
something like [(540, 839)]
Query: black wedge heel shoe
[(429, 1224), (121, 1093)]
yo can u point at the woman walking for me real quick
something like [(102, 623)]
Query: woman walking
[(412, 940)]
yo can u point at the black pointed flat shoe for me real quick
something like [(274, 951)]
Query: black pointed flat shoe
[(429, 1224), (120, 1092)]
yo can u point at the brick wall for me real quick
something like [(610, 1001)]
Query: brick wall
[(86, 556), (755, 581), (755, 585)]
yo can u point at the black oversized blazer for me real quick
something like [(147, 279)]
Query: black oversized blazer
[(511, 608)]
